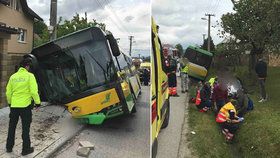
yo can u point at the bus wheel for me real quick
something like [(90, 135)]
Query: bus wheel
[(166, 119), (134, 106)]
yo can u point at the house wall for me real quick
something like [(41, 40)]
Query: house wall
[(274, 59), (3, 69), (17, 19), (11, 51)]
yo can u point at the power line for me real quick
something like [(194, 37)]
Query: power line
[(112, 10), (101, 6)]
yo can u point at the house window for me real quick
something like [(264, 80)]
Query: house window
[(18, 5), (22, 35), (15, 4), (12, 3)]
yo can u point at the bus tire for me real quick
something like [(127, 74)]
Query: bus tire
[(154, 148), (134, 109), (166, 119)]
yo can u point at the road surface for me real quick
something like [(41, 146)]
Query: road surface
[(169, 138), (124, 137)]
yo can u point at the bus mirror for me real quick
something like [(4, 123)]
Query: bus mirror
[(114, 45)]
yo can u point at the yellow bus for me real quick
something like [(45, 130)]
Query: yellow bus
[(199, 62), (160, 109), (86, 72)]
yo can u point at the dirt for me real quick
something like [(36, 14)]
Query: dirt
[(45, 126)]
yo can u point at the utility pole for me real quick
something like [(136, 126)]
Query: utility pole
[(53, 19), (130, 44), (209, 22)]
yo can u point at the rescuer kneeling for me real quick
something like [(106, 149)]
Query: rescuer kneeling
[(228, 120)]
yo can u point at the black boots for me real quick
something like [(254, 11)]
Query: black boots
[(28, 151)]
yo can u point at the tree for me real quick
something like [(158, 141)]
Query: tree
[(180, 49), (256, 23), (63, 28), (41, 34), (205, 45), (75, 24)]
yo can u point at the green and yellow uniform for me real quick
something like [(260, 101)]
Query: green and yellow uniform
[(21, 89)]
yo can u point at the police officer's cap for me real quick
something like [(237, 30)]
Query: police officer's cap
[(25, 62)]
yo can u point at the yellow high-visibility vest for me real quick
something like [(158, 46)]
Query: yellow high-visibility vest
[(211, 81), (21, 89), (185, 69)]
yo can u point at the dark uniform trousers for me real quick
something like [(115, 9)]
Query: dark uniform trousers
[(26, 118)]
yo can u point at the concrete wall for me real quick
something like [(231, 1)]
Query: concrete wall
[(17, 19)]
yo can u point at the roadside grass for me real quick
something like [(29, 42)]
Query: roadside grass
[(258, 136), (208, 140)]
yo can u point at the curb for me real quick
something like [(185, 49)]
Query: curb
[(4, 111), (52, 148), (184, 151)]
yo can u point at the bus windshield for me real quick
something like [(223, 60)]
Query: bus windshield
[(75, 69)]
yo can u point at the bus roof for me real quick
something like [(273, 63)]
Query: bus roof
[(201, 50)]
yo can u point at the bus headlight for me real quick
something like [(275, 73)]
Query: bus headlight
[(76, 109)]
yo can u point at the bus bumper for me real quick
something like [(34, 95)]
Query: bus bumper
[(98, 118)]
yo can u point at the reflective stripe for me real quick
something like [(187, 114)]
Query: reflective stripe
[(221, 117), (198, 99)]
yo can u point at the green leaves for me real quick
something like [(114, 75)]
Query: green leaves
[(75, 24), (180, 49), (65, 27), (255, 22)]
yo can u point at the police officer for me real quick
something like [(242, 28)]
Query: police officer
[(184, 77), (22, 88)]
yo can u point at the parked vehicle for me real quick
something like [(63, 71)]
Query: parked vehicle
[(87, 73), (160, 94)]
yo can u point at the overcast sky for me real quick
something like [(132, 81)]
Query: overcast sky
[(122, 18), (180, 20)]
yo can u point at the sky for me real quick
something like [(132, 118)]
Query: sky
[(122, 17), (180, 20)]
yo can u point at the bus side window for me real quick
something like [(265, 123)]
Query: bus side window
[(122, 62)]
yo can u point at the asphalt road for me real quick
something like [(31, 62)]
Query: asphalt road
[(124, 136), (169, 138)]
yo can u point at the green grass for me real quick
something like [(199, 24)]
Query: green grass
[(258, 136), (208, 141)]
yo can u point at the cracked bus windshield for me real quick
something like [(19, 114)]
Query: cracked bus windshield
[(76, 69)]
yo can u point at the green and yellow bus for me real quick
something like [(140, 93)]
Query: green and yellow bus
[(199, 62), (86, 72), (160, 109)]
